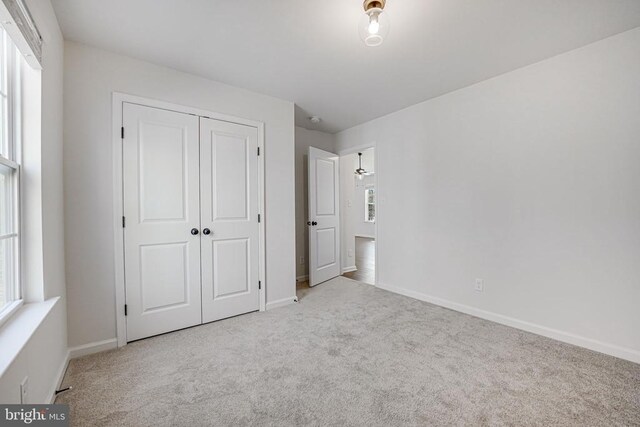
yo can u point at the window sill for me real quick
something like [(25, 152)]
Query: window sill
[(6, 314), (16, 332)]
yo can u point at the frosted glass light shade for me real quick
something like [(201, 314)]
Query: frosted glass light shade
[(373, 27)]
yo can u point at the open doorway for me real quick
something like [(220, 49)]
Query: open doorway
[(358, 219), (346, 248)]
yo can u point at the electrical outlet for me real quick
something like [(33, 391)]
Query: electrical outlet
[(24, 391), (348, 203), (350, 253), (301, 260), (479, 285)]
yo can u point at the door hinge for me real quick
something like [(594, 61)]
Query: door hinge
[(258, 217), (125, 309), (122, 132), (258, 151), (259, 284), (123, 222)]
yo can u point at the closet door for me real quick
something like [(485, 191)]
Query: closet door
[(229, 212), (162, 211)]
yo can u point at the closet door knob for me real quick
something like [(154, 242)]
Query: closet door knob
[(206, 231), (194, 231), (314, 223)]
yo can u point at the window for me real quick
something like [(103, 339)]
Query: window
[(370, 204), (9, 175)]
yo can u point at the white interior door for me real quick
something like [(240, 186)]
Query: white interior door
[(161, 208), (229, 205), (324, 216)]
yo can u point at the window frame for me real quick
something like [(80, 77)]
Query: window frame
[(367, 203), (10, 74)]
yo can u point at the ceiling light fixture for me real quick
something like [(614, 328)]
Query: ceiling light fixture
[(374, 25), (314, 119), (360, 172)]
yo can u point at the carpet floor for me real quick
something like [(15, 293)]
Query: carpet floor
[(352, 354)]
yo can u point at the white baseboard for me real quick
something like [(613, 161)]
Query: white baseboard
[(93, 347), (51, 397), (349, 269), (281, 302), (302, 278), (595, 345)]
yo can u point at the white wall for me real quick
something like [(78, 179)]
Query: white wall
[(91, 75), (530, 181), (44, 356), (43, 360), (305, 139)]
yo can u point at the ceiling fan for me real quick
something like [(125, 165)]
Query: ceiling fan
[(360, 172)]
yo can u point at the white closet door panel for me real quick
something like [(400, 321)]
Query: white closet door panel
[(231, 267), (229, 203), (230, 178), (163, 179), (161, 206), (163, 276)]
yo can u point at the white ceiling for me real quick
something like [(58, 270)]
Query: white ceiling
[(310, 53)]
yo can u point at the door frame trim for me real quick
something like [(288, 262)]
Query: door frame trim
[(118, 99)]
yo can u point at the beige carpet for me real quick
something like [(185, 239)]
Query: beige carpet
[(352, 354)]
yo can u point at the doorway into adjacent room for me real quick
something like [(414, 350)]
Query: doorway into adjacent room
[(358, 195), (342, 215)]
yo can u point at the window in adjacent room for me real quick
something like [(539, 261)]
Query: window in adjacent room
[(10, 292), (370, 204)]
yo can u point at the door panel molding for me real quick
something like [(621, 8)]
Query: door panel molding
[(156, 266), (222, 292), (172, 166), (118, 101)]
